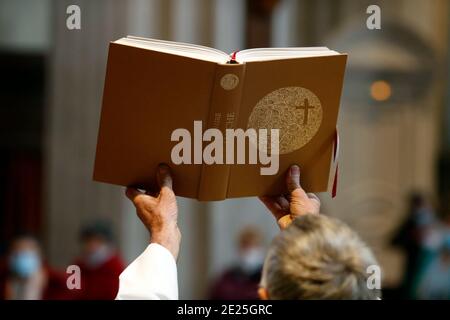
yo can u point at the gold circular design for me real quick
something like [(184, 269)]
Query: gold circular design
[(295, 111), (229, 81)]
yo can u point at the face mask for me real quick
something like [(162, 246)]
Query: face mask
[(25, 263), (446, 242), (424, 217), (98, 257), (252, 259)]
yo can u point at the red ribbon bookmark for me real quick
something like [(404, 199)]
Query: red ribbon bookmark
[(335, 181), (335, 160), (233, 56)]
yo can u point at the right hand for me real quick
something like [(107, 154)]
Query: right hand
[(159, 214), (286, 208)]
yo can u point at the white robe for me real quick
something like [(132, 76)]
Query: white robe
[(152, 276)]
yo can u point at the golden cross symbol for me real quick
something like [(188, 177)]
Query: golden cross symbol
[(306, 108)]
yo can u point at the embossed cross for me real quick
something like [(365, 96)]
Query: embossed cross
[(306, 108)]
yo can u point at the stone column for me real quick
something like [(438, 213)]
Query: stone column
[(77, 69)]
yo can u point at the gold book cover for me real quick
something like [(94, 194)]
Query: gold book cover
[(196, 109)]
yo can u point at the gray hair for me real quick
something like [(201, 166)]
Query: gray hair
[(318, 257)]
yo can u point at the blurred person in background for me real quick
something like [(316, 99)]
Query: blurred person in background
[(25, 276), (241, 281), (434, 277), (99, 262), (411, 237)]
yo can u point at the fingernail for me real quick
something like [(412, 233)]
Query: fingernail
[(295, 170)]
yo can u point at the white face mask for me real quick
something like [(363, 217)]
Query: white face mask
[(100, 256), (251, 259)]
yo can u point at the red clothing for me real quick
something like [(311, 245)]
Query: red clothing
[(100, 282), (55, 288), (234, 284)]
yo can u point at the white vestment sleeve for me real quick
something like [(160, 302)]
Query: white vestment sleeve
[(152, 276)]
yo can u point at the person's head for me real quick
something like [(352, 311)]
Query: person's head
[(317, 257), (250, 249), (420, 209), (416, 200), (96, 239), (24, 258)]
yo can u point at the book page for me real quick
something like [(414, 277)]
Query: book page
[(177, 48), (264, 54)]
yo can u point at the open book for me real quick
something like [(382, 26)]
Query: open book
[(215, 55), (229, 125)]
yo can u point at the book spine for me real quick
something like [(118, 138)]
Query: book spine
[(224, 106)]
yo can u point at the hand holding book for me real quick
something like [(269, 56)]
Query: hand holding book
[(297, 203), (158, 211)]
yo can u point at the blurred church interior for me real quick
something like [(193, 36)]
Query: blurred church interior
[(394, 119)]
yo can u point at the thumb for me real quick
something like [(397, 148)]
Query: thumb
[(163, 176), (293, 184), (133, 194)]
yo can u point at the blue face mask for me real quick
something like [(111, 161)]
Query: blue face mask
[(98, 257), (446, 242), (25, 263)]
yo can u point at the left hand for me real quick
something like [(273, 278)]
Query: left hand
[(286, 209)]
